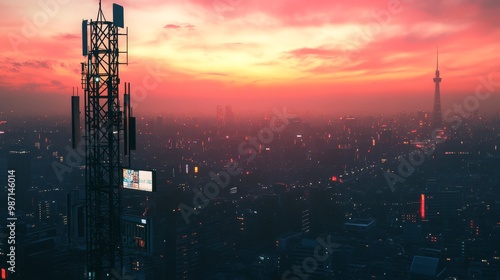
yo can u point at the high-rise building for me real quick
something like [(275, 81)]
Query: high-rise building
[(75, 213), (220, 115), (307, 248), (426, 268), (265, 266), (437, 118), (20, 162), (47, 211), (229, 114), (440, 206), (159, 122)]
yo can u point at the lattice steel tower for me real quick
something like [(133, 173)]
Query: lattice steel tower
[(105, 122)]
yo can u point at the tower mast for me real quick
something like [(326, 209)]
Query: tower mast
[(437, 118), (104, 126)]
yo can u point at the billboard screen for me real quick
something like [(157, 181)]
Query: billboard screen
[(142, 180)]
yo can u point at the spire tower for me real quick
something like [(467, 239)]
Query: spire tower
[(437, 118)]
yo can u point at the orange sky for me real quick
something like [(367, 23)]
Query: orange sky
[(357, 56)]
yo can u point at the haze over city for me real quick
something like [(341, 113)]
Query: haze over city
[(335, 57)]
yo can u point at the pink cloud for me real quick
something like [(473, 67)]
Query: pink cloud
[(172, 26)]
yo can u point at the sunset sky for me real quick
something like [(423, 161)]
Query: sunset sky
[(347, 56)]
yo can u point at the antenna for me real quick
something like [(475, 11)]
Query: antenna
[(118, 19), (437, 58), (100, 14), (84, 38)]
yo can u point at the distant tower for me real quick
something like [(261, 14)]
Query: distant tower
[(437, 118), (220, 115), (229, 114)]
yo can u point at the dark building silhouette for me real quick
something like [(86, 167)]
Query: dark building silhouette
[(76, 218), (440, 206), (20, 161), (426, 268), (220, 116), (229, 115)]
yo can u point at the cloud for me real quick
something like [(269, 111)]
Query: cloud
[(214, 74), (11, 65), (188, 27), (67, 36), (172, 26)]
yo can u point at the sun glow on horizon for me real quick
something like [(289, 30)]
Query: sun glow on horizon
[(285, 50)]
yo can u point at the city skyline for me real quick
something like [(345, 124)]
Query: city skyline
[(315, 179), (360, 58)]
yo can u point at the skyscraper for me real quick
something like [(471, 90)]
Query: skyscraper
[(220, 116), (229, 114), (437, 119), (20, 161)]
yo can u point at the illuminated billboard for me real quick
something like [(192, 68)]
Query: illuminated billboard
[(142, 180)]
